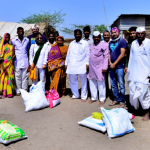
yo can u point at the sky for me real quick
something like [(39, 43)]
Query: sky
[(77, 11)]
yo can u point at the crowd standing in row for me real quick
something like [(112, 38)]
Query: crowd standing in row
[(86, 58)]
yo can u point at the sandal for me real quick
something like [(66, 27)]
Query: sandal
[(113, 103)]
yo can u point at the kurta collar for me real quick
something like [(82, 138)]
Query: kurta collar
[(142, 42)]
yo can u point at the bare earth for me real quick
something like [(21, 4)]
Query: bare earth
[(57, 128)]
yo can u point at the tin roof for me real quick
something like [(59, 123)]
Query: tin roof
[(11, 27), (127, 15)]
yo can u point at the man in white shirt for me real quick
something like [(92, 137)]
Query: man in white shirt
[(87, 32), (51, 41), (77, 61), (106, 37), (21, 64), (139, 72)]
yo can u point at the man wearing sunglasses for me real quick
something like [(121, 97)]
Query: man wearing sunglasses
[(139, 72)]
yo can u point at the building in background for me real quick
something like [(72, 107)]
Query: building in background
[(125, 21)]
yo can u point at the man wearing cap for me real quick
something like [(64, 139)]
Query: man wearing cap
[(98, 64), (117, 48), (132, 37), (77, 61), (32, 37), (139, 72)]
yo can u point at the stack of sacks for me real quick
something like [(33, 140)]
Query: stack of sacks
[(35, 99), (117, 122), (10, 132)]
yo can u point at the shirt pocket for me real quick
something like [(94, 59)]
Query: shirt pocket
[(142, 51)]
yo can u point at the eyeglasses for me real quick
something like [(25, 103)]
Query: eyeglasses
[(140, 34), (39, 38)]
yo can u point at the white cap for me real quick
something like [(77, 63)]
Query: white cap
[(140, 29), (35, 26), (96, 33)]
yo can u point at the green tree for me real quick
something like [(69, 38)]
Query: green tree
[(100, 28), (71, 30), (54, 19)]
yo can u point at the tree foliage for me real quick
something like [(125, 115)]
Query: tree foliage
[(70, 31), (54, 19)]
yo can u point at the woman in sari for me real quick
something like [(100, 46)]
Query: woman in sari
[(38, 60), (7, 68), (59, 74)]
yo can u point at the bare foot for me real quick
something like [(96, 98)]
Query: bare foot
[(91, 101), (63, 95), (2, 97), (101, 103), (146, 117), (122, 105), (18, 94), (83, 100), (72, 98)]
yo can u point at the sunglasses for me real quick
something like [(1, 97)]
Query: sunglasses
[(39, 38)]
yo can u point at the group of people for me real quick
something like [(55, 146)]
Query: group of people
[(90, 59)]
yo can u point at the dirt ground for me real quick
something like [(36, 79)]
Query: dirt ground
[(57, 128)]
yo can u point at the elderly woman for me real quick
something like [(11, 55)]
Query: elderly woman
[(56, 58), (38, 60), (7, 68)]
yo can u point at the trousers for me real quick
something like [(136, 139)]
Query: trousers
[(117, 76), (73, 81), (21, 79), (40, 73), (94, 87)]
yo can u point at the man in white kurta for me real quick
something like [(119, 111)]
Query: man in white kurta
[(139, 72), (76, 61)]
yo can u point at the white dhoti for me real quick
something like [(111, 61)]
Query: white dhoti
[(21, 79), (40, 73), (96, 85), (139, 92), (73, 81)]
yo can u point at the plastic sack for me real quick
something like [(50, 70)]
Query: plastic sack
[(131, 116), (10, 132), (35, 87), (93, 124), (52, 97), (117, 122), (35, 100)]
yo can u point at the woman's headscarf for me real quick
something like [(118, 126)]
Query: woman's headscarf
[(2, 44), (60, 37)]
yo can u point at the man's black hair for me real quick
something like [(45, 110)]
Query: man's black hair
[(87, 28), (106, 31), (51, 33), (77, 30), (19, 28), (132, 29)]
